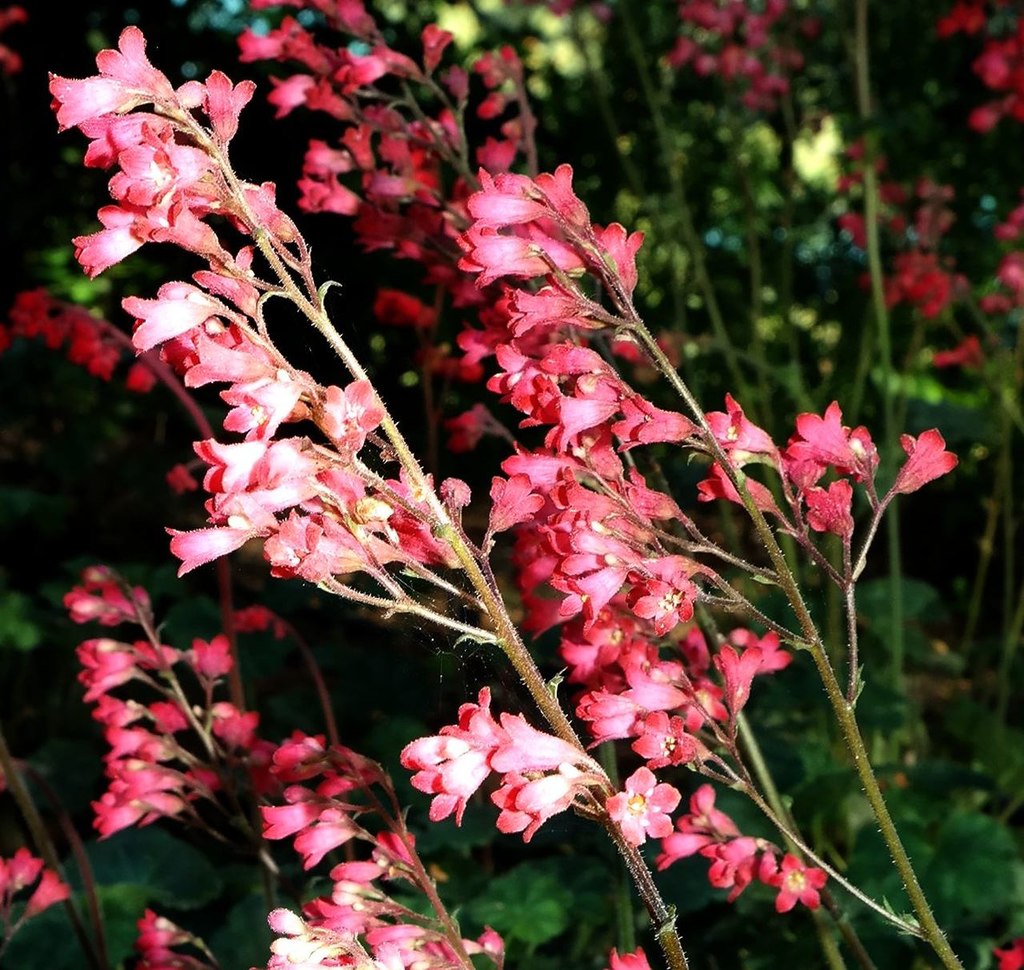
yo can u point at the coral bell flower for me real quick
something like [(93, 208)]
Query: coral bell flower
[(643, 808), (797, 883)]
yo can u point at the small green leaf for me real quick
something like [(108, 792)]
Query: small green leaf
[(18, 631), (526, 904), (170, 871)]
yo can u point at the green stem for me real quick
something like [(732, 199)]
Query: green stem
[(882, 328), (842, 709), (690, 236)]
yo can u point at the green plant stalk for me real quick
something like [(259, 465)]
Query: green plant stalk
[(842, 708), (764, 777), (626, 935), (882, 328), (506, 634), (44, 845), (690, 236)]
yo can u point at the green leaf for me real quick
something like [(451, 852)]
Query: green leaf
[(72, 769), (973, 870), (243, 941), (921, 601), (18, 631), (170, 872), (527, 904)]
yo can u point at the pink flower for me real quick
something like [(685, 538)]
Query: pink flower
[(101, 598), (19, 872), (452, 766), (826, 441), (797, 883), (829, 510), (49, 891), (738, 671), (704, 825), (644, 807), (126, 80), (637, 960), (527, 803), (664, 741), (350, 414), (738, 435), (513, 502), (927, 460), (178, 309)]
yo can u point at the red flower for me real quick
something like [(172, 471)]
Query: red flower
[(1012, 956), (927, 460)]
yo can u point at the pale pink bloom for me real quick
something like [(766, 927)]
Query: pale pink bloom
[(529, 750), (178, 309), (527, 803), (156, 168), (120, 236), (260, 406), (330, 829), (349, 415), (200, 546), (126, 80), (643, 808), (452, 766)]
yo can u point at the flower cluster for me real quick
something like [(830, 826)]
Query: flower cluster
[(320, 511), (750, 47), (329, 791), (737, 860), (159, 944), (403, 170), (541, 774), (18, 873), (164, 759), (916, 220), (1000, 65), (86, 340)]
